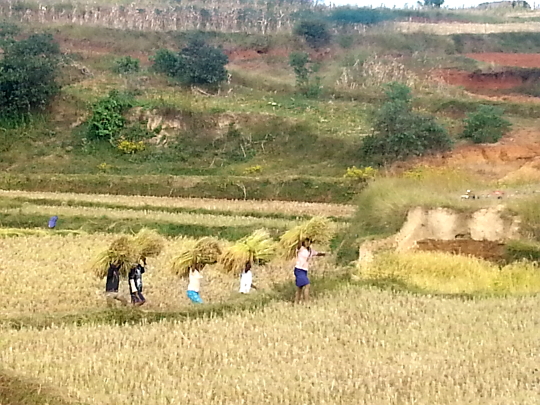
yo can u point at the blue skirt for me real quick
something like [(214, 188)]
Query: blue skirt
[(301, 277)]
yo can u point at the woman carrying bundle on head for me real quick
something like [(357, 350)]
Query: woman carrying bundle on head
[(303, 256), (256, 248), (296, 244), (190, 263)]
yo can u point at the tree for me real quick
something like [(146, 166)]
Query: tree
[(315, 32), (197, 63), (28, 73), (303, 71), (360, 15), (399, 132), (433, 3), (486, 125)]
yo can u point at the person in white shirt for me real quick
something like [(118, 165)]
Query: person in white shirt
[(194, 286), (303, 256), (246, 279)]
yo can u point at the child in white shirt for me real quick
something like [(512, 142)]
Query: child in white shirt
[(194, 285), (246, 279)]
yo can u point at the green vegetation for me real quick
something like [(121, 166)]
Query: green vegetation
[(126, 64), (400, 133), (316, 33), (197, 63), (107, 118), (486, 125), (304, 69), (28, 73)]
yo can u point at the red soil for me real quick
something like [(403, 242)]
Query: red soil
[(478, 82), (525, 60)]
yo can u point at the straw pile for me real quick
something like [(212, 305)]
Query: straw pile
[(204, 251), (318, 229), (120, 252), (148, 243), (256, 248)]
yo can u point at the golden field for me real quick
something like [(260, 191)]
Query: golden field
[(359, 346), (234, 206), (49, 275)]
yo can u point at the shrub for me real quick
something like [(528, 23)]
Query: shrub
[(28, 73), (315, 32), (486, 125), (400, 133), (359, 15), (360, 174), (304, 69), (165, 61), (107, 118), (197, 63), (126, 64), (130, 147)]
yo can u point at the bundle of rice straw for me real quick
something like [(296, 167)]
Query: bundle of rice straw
[(121, 252), (148, 243), (318, 229), (256, 248), (205, 251)]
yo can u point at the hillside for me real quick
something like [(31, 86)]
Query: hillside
[(263, 126)]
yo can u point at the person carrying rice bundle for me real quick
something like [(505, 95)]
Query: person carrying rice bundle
[(303, 256), (148, 243), (296, 243), (190, 263), (239, 258), (114, 263), (135, 283), (246, 280)]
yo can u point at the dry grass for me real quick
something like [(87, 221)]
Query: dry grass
[(451, 274), (238, 206), (465, 28), (361, 347), (48, 275)]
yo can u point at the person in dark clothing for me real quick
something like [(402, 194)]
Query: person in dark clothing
[(135, 283), (112, 284)]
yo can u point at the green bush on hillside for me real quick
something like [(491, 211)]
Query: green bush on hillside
[(359, 15), (126, 64), (486, 125), (28, 72), (197, 63), (315, 32), (107, 118), (400, 133), (303, 70)]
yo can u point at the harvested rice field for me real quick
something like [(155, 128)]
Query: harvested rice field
[(360, 346), (46, 275), (239, 207), (359, 341)]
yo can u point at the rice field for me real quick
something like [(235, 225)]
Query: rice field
[(233, 206), (353, 344), (465, 28), (50, 275), (360, 346), (145, 215)]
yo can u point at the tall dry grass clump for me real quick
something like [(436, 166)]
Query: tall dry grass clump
[(444, 273), (376, 71)]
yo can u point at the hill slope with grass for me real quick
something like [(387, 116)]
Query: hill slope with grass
[(268, 126)]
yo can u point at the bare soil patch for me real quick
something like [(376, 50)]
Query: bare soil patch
[(524, 60), (484, 249)]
